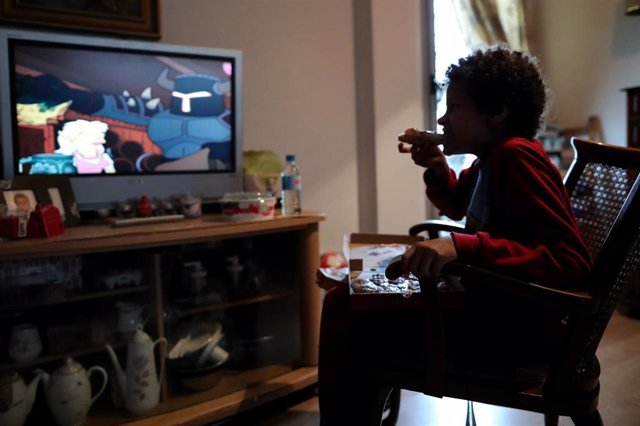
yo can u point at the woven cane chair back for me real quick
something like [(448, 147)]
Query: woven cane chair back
[(602, 179)]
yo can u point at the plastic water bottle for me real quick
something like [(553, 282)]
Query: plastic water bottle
[(291, 187)]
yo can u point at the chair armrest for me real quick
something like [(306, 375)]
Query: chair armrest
[(577, 301), (433, 226)]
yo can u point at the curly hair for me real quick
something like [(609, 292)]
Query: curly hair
[(499, 78)]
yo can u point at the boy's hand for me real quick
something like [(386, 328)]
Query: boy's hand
[(423, 147), (426, 258)]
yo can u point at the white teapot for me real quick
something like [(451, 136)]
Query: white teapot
[(16, 398), (139, 386), (68, 392)]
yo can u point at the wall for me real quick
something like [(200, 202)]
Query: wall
[(298, 87), (589, 51), (398, 63), (300, 97)]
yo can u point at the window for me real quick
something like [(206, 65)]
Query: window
[(449, 47)]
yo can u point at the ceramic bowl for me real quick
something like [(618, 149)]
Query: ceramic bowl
[(254, 352), (198, 379), (195, 360), (193, 346)]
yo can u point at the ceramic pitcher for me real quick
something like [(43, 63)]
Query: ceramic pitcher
[(139, 385), (130, 317), (16, 398), (68, 392)]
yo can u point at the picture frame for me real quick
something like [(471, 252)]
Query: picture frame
[(18, 200), (14, 214), (133, 18), (51, 189)]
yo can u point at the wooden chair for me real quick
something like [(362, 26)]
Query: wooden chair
[(563, 154), (603, 184)]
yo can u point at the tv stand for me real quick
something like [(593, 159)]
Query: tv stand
[(288, 246)]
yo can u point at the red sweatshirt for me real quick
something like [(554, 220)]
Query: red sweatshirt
[(519, 218), (520, 223)]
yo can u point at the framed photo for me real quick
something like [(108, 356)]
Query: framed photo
[(51, 189), (18, 203), (136, 18), (19, 200)]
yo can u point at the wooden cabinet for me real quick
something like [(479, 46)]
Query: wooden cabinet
[(68, 287), (630, 300), (633, 117)]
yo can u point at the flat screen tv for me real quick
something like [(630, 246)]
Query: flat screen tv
[(122, 118)]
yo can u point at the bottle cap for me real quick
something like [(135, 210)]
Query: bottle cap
[(290, 157)]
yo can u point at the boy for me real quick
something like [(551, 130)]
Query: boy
[(22, 202), (518, 222)]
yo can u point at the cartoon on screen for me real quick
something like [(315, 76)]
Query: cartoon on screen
[(83, 113)]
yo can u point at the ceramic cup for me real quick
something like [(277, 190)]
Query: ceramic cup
[(24, 342), (191, 206), (131, 316)]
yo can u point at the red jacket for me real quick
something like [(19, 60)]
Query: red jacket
[(520, 223), (524, 224)]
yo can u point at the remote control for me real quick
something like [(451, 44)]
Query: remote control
[(145, 220)]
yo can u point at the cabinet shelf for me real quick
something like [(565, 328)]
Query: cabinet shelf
[(45, 359), (80, 297), (256, 372), (187, 308), (212, 405)]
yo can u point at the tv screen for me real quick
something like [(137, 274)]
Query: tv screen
[(122, 118)]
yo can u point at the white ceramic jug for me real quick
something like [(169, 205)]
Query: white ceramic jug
[(130, 317), (16, 398), (68, 392), (139, 385), (24, 342)]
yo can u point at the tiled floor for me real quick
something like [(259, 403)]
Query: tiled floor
[(619, 354)]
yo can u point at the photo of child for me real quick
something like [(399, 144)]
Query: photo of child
[(22, 201)]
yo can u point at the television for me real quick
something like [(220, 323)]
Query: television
[(122, 118)]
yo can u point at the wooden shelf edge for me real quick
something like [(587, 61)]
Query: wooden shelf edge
[(88, 239), (187, 309), (236, 402)]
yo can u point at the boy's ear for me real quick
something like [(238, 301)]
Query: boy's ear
[(499, 117)]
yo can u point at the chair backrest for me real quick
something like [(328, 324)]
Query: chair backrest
[(599, 181), (603, 183)]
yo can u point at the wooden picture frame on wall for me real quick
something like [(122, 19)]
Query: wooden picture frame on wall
[(134, 18)]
